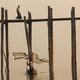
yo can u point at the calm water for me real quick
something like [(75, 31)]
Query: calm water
[(18, 72)]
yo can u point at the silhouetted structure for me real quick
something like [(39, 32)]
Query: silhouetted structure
[(29, 21)]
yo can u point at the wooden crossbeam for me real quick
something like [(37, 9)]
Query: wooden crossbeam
[(39, 20)]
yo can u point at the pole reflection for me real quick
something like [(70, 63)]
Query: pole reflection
[(31, 76), (2, 77)]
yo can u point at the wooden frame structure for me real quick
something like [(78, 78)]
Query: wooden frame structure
[(29, 39)]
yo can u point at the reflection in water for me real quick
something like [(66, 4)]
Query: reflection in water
[(31, 76), (2, 77), (7, 74)]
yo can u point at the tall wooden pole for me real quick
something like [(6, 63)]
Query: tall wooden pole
[(27, 35), (52, 48), (2, 38), (30, 33), (7, 44), (73, 31), (30, 30), (50, 42)]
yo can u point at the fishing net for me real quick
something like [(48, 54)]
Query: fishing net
[(20, 55), (37, 60)]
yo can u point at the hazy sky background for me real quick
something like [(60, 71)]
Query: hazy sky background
[(61, 32)]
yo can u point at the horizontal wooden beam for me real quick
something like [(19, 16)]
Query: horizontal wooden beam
[(39, 20)]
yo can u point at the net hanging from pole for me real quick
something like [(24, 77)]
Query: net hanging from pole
[(21, 55)]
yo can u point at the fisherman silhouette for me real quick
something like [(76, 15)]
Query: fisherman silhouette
[(18, 13), (31, 57)]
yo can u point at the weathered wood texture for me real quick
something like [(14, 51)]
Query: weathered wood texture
[(30, 30), (73, 33), (2, 40), (7, 45), (50, 43)]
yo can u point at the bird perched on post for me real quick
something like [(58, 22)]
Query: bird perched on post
[(18, 13)]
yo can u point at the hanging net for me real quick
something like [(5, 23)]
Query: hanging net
[(38, 60), (20, 55)]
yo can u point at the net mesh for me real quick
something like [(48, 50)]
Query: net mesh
[(37, 60)]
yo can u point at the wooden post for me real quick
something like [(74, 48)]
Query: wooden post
[(73, 33), (2, 39), (30, 33), (27, 38), (50, 42), (7, 45), (30, 30), (27, 35), (52, 48)]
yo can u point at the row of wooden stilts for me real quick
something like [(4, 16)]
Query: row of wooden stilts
[(29, 41)]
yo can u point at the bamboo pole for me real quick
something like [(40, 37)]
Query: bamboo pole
[(73, 31), (2, 39), (27, 38), (52, 48), (50, 42), (49, 39), (27, 35), (30, 30), (7, 45), (30, 33)]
